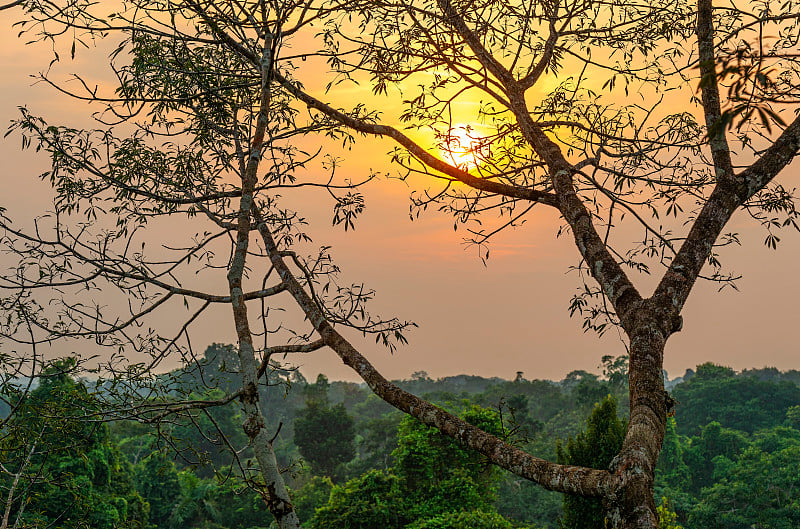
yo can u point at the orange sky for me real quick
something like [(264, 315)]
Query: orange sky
[(493, 320)]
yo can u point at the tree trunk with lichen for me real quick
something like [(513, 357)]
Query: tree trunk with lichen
[(631, 504), (274, 491)]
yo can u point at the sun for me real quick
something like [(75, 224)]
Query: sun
[(463, 146)]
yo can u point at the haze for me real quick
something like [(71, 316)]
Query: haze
[(494, 320)]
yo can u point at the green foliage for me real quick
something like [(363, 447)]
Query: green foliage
[(324, 434), (200, 439), (236, 505), (734, 480), (594, 448), (409, 475), (673, 476), (590, 390), (325, 437), (703, 453), (667, 518), (773, 375), (671, 469), (317, 393), (313, 494), (366, 502), (739, 423), (75, 477), (524, 501), (793, 416), (743, 403), (544, 398), (775, 439), (437, 474), (376, 439), (424, 457), (432, 481), (463, 520), (615, 369), (157, 481), (195, 503), (758, 490)]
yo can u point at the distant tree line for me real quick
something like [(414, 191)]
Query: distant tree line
[(730, 459)]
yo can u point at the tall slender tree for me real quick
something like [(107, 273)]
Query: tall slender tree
[(191, 129)]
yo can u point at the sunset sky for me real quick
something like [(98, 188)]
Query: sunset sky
[(494, 320)]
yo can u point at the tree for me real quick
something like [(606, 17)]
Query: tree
[(578, 150), (793, 416), (704, 451), (203, 440), (68, 474), (757, 491), (157, 481), (735, 401), (667, 519), (239, 506), (575, 144), (594, 448), (370, 500), (464, 520), (673, 476), (439, 476), (324, 434), (434, 484), (313, 494), (190, 130), (195, 502)]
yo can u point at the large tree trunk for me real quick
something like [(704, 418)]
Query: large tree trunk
[(275, 495), (631, 505)]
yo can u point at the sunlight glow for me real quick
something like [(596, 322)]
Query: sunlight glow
[(464, 147)]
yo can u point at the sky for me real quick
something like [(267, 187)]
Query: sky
[(494, 319)]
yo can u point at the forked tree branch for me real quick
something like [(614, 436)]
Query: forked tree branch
[(616, 285), (727, 197), (456, 21), (359, 125)]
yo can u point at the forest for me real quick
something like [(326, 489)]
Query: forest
[(730, 460)]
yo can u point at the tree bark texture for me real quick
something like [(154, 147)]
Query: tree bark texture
[(275, 494)]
